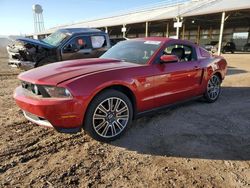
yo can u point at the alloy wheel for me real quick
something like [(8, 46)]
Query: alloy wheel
[(110, 117), (213, 87)]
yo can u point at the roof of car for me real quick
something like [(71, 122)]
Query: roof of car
[(165, 39), (162, 39), (80, 30)]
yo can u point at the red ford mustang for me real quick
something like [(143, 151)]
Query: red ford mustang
[(103, 95)]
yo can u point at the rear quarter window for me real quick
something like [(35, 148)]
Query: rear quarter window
[(98, 41), (204, 53)]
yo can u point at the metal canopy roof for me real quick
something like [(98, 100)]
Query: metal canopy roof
[(219, 6), (186, 9)]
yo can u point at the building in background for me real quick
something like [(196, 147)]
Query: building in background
[(200, 21)]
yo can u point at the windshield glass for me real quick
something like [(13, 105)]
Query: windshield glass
[(55, 38), (134, 51)]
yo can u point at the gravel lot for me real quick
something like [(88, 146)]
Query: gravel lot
[(192, 145)]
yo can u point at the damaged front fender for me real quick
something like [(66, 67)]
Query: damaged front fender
[(27, 54)]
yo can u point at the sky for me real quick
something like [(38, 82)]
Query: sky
[(16, 16)]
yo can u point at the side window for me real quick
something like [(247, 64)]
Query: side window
[(183, 52), (98, 41), (82, 42), (77, 43)]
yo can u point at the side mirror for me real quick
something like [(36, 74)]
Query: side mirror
[(70, 48), (169, 59)]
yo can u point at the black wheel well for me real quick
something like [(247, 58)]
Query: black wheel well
[(219, 75)]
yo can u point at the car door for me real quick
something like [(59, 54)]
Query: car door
[(177, 81)]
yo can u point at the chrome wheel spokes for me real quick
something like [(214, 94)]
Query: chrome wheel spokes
[(213, 87), (110, 117)]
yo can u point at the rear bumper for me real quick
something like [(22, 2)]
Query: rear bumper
[(62, 114)]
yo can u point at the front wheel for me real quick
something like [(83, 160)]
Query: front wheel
[(213, 89), (108, 116)]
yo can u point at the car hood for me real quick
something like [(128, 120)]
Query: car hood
[(56, 73), (35, 42)]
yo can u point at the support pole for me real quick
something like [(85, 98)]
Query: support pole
[(198, 34), (124, 31), (248, 35), (221, 32), (146, 30), (183, 32), (43, 28), (39, 22), (167, 30), (177, 28), (210, 33), (110, 31)]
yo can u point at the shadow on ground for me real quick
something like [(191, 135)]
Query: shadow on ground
[(196, 129), (235, 70)]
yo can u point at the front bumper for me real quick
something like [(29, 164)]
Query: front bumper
[(25, 65), (64, 115), (15, 62)]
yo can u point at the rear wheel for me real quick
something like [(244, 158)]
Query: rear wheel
[(213, 89), (108, 116)]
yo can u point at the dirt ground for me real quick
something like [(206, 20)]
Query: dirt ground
[(193, 145)]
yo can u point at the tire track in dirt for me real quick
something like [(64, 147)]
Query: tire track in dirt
[(32, 156), (30, 148)]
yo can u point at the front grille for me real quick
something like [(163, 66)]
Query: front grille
[(16, 56)]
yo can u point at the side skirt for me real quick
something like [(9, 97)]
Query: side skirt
[(144, 113)]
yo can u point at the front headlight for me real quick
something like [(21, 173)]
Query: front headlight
[(57, 92)]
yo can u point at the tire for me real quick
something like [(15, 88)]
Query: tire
[(213, 89), (102, 122)]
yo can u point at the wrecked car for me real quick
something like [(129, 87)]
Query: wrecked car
[(64, 44)]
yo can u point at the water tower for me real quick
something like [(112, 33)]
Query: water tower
[(38, 18)]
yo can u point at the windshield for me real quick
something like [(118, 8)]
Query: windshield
[(55, 38), (133, 51)]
